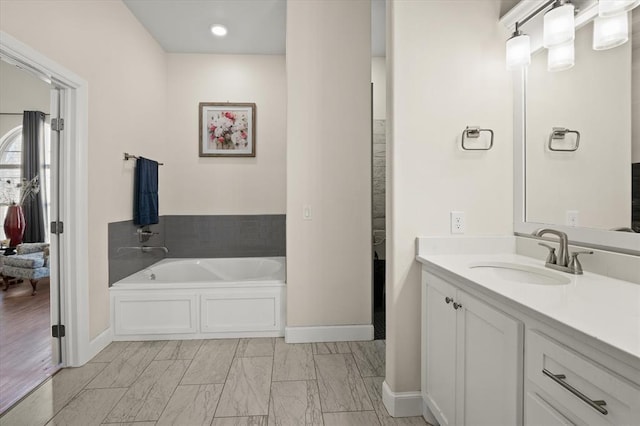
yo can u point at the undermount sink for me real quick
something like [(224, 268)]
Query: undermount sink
[(521, 273)]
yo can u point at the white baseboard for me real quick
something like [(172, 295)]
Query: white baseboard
[(401, 404), (329, 333), (193, 336), (99, 343)]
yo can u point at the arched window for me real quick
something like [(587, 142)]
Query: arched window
[(11, 171)]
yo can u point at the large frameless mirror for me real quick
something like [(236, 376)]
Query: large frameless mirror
[(577, 136)]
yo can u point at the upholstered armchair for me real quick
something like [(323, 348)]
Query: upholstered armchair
[(31, 262)]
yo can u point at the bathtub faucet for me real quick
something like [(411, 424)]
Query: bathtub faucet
[(149, 248), (144, 248)]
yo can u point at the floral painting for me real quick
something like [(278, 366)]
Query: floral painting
[(227, 129)]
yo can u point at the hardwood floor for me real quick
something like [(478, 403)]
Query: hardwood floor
[(25, 341)]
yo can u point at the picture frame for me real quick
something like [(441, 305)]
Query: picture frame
[(227, 129)]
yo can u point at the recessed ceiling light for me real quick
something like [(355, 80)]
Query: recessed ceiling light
[(219, 30)]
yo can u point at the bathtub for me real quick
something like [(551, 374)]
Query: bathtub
[(201, 298)]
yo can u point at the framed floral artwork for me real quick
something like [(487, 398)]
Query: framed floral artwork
[(227, 129)]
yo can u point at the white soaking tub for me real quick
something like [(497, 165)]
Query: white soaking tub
[(201, 298)]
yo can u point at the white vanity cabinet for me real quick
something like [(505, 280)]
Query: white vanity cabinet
[(564, 387), (489, 361), (472, 358)]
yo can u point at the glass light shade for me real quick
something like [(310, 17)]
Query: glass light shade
[(518, 52), (561, 57), (559, 26), (610, 32), (607, 8), (219, 30)]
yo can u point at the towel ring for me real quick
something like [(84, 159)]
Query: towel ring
[(559, 133), (474, 133)]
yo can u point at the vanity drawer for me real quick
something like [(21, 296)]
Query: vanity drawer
[(578, 384)]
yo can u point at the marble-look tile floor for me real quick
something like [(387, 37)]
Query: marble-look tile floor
[(230, 382)]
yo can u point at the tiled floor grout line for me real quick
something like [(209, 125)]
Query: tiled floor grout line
[(273, 367), (226, 377), (365, 386), (362, 378), (315, 367), (127, 388), (102, 421), (175, 388)]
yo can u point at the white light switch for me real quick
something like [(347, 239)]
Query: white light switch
[(572, 217), (306, 212)]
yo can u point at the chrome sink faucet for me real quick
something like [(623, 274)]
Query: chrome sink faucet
[(564, 261)]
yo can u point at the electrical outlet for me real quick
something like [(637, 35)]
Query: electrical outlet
[(306, 212), (572, 217), (457, 222)]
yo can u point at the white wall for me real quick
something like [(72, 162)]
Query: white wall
[(635, 87), (379, 79), (20, 91), (446, 71), (328, 162), (593, 97), (210, 185), (103, 43)]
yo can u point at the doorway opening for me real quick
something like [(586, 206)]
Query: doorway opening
[(379, 228), (30, 302)]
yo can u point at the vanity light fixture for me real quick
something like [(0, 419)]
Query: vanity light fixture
[(518, 50), (559, 24), (610, 31), (219, 30), (561, 57), (607, 8)]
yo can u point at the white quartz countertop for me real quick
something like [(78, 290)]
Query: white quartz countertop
[(603, 308)]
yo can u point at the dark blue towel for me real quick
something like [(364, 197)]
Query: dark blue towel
[(145, 204)]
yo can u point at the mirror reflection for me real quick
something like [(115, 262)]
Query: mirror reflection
[(583, 137)]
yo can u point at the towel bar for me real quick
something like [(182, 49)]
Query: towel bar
[(128, 156)]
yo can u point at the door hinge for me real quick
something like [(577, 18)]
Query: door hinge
[(57, 330), (57, 124), (57, 228)]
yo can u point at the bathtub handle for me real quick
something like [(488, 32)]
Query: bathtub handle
[(144, 234), (141, 232)]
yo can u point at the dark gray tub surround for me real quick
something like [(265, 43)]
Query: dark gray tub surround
[(198, 236)]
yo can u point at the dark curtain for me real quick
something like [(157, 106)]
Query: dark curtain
[(32, 143)]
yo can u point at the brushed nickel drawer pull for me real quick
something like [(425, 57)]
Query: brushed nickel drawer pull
[(559, 379)]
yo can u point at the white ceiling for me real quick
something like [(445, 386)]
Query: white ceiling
[(255, 26)]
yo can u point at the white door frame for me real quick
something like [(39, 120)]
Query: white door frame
[(77, 349)]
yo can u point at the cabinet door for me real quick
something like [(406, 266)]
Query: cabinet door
[(440, 342), (489, 385)]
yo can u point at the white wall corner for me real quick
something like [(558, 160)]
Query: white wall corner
[(329, 333), (99, 343), (427, 414), (402, 404)]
